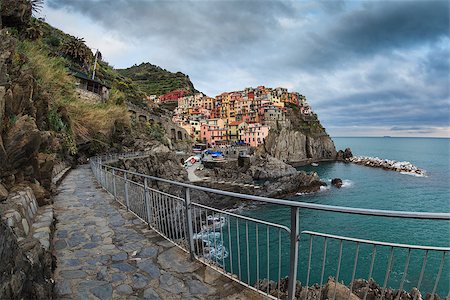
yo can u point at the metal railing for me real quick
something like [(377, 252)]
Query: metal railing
[(243, 248)]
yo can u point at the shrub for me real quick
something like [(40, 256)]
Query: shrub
[(155, 131), (53, 41)]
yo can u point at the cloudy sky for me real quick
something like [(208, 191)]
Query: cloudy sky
[(367, 68)]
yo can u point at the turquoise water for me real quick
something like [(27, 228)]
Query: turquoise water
[(364, 188)]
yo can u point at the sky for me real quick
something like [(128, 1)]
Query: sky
[(368, 68)]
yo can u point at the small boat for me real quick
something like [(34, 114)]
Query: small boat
[(314, 164)]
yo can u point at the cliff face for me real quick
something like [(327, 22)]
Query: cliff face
[(301, 139)]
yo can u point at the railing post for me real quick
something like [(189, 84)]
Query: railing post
[(102, 180), (190, 232), (295, 230), (146, 201), (114, 184), (127, 200)]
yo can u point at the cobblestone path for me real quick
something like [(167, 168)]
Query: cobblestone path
[(104, 252)]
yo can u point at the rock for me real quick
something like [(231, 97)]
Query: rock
[(270, 168), (3, 193), (46, 162), (148, 252), (197, 287), (139, 281), (337, 182), (124, 289), (62, 288), (22, 142), (73, 274), (103, 291), (342, 292), (172, 284), (150, 294), (15, 12), (291, 144), (149, 267), (119, 256), (348, 153), (41, 194), (124, 267), (26, 228), (344, 155), (171, 260)]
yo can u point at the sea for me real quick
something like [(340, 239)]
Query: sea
[(364, 187)]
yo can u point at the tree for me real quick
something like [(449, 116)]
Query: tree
[(76, 49), (36, 5)]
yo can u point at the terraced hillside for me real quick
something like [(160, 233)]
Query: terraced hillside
[(154, 80)]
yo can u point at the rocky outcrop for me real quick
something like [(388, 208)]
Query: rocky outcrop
[(300, 182), (344, 155), (290, 145), (159, 162), (26, 143), (270, 168), (22, 143), (338, 291), (337, 182), (15, 12)]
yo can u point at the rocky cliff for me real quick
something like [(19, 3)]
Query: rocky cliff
[(300, 139)]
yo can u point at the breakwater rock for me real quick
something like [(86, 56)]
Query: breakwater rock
[(404, 167)]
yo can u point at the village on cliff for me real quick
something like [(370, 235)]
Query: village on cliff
[(233, 118)]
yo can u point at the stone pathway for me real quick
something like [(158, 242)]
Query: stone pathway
[(191, 172), (104, 252)]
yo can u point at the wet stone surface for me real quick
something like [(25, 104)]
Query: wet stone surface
[(104, 252)]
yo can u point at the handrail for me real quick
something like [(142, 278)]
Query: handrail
[(363, 241), (177, 219), (290, 203)]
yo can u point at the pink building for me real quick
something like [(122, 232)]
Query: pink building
[(213, 132), (255, 134)]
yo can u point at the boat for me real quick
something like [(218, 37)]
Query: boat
[(314, 164)]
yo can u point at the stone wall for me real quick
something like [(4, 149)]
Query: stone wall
[(89, 96), (25, 235)]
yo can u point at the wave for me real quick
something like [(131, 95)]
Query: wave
[(347, 183), (324, 188), (414, 174)]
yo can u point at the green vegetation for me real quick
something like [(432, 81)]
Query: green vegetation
[(132, 84), (80, 57), (155, 131), (77, 120), (76, 49), (154, 80)]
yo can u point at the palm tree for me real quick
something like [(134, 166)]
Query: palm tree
[(76, 49), (36, 5)]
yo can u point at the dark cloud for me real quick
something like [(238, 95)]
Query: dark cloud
[(378, 63), (199, 29), (376, 27)]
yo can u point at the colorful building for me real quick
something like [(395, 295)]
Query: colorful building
[(239, 116), (255, 134)]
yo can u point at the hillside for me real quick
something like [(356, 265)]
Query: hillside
[(154, 80)]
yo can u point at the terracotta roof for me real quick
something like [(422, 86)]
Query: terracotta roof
[(235, 123)]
